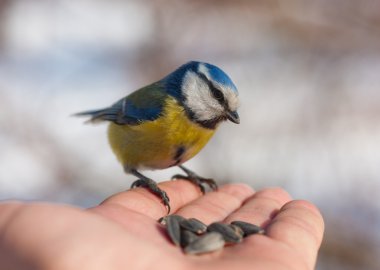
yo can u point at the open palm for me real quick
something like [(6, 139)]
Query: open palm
[(123, 233)]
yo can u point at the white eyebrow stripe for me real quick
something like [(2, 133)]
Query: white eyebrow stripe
[(204, 70)]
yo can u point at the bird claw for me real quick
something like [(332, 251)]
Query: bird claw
[(199, 181), (165, 200), (137, 183), (153, 187), (178, 176)]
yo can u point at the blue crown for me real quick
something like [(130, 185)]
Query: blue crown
[(219, 76)]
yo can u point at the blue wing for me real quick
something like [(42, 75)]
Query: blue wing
[(145, 104)]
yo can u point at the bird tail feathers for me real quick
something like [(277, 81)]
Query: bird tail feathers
[(96, 116)]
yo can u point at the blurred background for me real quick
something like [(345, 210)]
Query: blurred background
[(309, 80)]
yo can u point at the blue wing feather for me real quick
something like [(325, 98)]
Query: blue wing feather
[(145, 104)]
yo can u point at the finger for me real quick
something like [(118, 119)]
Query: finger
[(45, 236), (141, 200), (300, 225), (261, 207), (215, 206), (7, 210)]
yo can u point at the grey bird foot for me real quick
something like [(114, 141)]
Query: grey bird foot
[(153, 187), (196, 179)]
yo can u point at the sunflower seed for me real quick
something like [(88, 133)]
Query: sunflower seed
[(229, 235), (206, 243), (237, 229), (163, 220), (248, 228), (187, 237), (173, 228), (194, 225)]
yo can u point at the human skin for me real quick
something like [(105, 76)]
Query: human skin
[(122, 232)]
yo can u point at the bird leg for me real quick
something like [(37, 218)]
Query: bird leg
[(196, 179), (152, 186)]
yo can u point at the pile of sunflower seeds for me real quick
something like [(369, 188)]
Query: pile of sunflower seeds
[(194, 237)]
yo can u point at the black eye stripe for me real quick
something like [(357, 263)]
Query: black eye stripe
[(218, 94)]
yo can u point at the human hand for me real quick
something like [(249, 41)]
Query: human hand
[(122, 232)]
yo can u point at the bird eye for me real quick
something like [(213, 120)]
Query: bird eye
[(218, 95)]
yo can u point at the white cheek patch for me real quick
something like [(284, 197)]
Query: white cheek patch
[(198, 98)]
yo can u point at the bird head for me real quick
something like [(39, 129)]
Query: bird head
[(207, 93)]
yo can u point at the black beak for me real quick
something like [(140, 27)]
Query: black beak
[(233, 117)]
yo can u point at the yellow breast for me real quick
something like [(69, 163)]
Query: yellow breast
[(169, 140)]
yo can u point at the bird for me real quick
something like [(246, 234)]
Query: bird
[(166, 123)]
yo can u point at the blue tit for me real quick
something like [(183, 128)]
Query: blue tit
[(166, 123)]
